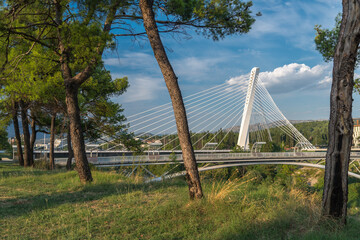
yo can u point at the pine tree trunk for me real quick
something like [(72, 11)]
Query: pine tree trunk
[(52, 140), (72, 83), (28, 158), (70, 150), (77, 137), (33, 136), (192, 174), (17, 135), (335, 194)]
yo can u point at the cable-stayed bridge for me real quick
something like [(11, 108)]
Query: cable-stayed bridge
[(214, 114), (240, 108)]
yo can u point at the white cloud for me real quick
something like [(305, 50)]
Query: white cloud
[(143, 88), (294, 20), (326, 82), (196, 68), (293, 77), (143, 73), (238, 80)]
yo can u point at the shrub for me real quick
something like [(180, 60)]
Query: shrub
[(42, 164)]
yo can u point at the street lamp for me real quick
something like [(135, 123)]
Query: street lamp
[(298, 145), (257, 145)]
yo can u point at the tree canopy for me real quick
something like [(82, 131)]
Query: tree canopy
[(326, 40), (52, 56)]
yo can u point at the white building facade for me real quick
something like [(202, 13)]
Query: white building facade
[(356, 132)]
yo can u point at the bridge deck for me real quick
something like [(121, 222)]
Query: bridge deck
[(221, 160), (205, 158)]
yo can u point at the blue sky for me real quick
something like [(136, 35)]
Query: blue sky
[(280, 43)]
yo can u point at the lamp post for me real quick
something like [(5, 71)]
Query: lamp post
[(256, 145), (297, 145)]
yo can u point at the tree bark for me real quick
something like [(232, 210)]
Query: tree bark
[(77, 137), (17, 134), (192, 174), (335, 194), (70, 150), (28, 158), (33, 136), (52, 140), (72, 84)]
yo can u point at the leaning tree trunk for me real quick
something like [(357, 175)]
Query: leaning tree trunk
[(192, 174), (28, 158), (77, 137), (70, 150), (17, 135), (52, 140), (341, 124)]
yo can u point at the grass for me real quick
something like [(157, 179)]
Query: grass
[(39, 204)]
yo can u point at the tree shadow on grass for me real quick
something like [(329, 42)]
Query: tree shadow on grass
[(293, 229), (24, 205), (32, 172)]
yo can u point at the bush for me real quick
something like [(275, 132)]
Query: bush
[(285, 174), (224, 173), (268, 172), (42, 164), (254, 175)]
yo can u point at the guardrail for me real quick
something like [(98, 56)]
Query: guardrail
[(204, 157)]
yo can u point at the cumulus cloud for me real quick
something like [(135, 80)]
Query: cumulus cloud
[(293, 77), (296, 76), (238, 80)]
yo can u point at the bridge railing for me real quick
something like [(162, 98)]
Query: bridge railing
[(259, 155), (216, 156)]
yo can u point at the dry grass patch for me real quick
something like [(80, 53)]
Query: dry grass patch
[(222, 190)]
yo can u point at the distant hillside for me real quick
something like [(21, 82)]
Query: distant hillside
[(254, 127), (316, 131)]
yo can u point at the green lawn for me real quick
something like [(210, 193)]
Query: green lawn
[(38, 204)]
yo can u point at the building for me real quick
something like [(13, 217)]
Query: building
[(44, 144), (356, 132)]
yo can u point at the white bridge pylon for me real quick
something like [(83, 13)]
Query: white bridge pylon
[(243, 140), (268, 111)]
